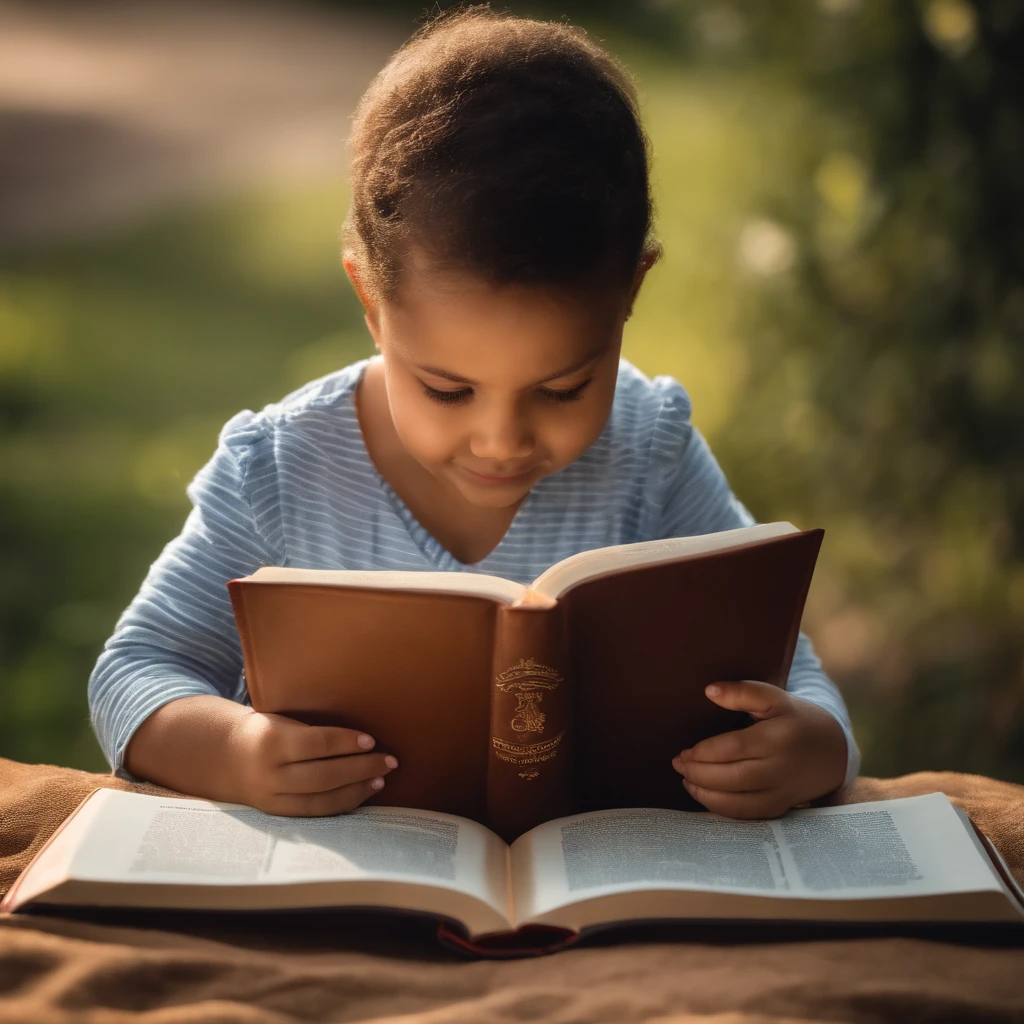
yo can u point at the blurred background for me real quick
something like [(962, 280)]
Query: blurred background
[(840, 193)]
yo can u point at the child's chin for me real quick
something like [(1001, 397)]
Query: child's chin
[(488, 499)]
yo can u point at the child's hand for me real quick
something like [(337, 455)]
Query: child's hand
[(214, 748), (793, 753), (286, 767)]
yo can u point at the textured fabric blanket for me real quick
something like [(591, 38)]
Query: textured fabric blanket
[(332, 967)]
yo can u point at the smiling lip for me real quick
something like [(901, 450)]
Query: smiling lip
[(496, 479)]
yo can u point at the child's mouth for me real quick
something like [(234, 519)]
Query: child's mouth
[(488, 478)]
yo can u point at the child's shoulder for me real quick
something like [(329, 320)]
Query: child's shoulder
[(644, 405), (326, 396)]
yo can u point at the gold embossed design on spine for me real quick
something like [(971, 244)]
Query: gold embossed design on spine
[(529, 764)]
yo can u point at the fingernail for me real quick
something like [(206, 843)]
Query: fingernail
[(365, 741), (714, 690), (391, 762), (378, 783), (688, 786)]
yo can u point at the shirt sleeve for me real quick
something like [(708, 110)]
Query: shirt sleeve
[(178, 637), (693, 497)]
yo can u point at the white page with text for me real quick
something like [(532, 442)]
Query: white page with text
[(911, 847), (137, 838)]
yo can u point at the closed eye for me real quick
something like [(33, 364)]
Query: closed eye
[(464, 394), (447, 397), (565, 396)]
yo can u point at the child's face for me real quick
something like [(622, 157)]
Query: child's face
[(490, 389)]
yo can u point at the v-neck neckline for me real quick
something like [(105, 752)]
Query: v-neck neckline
[(427, 543)]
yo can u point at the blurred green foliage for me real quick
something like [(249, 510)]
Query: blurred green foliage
[(119, 361), (840, 190)]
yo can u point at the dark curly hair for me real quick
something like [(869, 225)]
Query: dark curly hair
[(505, 148)]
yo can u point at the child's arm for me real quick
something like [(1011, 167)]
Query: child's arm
[(166, 693), (211, 747), (803, 746)]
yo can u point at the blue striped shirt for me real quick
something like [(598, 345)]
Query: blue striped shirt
[(294, 485)]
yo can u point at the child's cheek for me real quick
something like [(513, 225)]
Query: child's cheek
[(429, 436), (575, 429), (574, 440)]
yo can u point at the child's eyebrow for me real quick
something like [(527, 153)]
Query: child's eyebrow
[(455, 378)]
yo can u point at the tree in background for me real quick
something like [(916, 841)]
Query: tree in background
[(887, 339)]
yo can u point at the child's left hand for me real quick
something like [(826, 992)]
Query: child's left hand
[(793, 753)]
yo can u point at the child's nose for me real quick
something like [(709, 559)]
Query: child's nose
[(502, 439)]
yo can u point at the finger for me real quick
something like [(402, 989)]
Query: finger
[(751, 776), (737, 745), (761, 700), (320, 775), (319, 805), (764, 804), (300, 742)]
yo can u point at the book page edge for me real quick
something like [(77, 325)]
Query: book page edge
[(987, 849), (544, 585), (13, 898), (504, 591)]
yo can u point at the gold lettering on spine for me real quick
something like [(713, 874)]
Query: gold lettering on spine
[(528, 753), (527, 680)]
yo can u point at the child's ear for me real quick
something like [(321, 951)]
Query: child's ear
[(651, 255), (370, 308)]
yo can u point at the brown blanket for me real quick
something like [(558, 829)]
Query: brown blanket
[(369, 968)]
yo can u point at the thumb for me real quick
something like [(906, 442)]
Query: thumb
[(760, 700)]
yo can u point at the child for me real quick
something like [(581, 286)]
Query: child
[(499, 232)]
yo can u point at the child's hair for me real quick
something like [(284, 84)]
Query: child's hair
[(505, 148)]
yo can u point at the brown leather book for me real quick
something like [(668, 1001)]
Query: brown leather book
[(514, 705)]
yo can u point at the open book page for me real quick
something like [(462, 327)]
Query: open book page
[(473, 584), (554, 582), (633, 860), (141, 850)]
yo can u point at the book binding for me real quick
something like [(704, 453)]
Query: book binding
[(530, 746), (528, 941)]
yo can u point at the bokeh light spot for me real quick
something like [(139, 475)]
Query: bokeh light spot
[(766, 248), (951, 25)]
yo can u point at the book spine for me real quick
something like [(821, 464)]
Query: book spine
[(529, 753)]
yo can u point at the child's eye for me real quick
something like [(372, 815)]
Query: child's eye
[(447, 397), (455, 397), (566, 396)]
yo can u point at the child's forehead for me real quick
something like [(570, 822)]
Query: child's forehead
[(426, 290), (486, 333)]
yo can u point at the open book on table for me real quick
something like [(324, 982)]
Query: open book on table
[(915, 859), (513, 705)]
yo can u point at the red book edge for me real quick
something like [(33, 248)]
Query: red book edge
[(530, 940)]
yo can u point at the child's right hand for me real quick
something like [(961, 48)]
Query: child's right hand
[(286, 767), (211, 747)]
